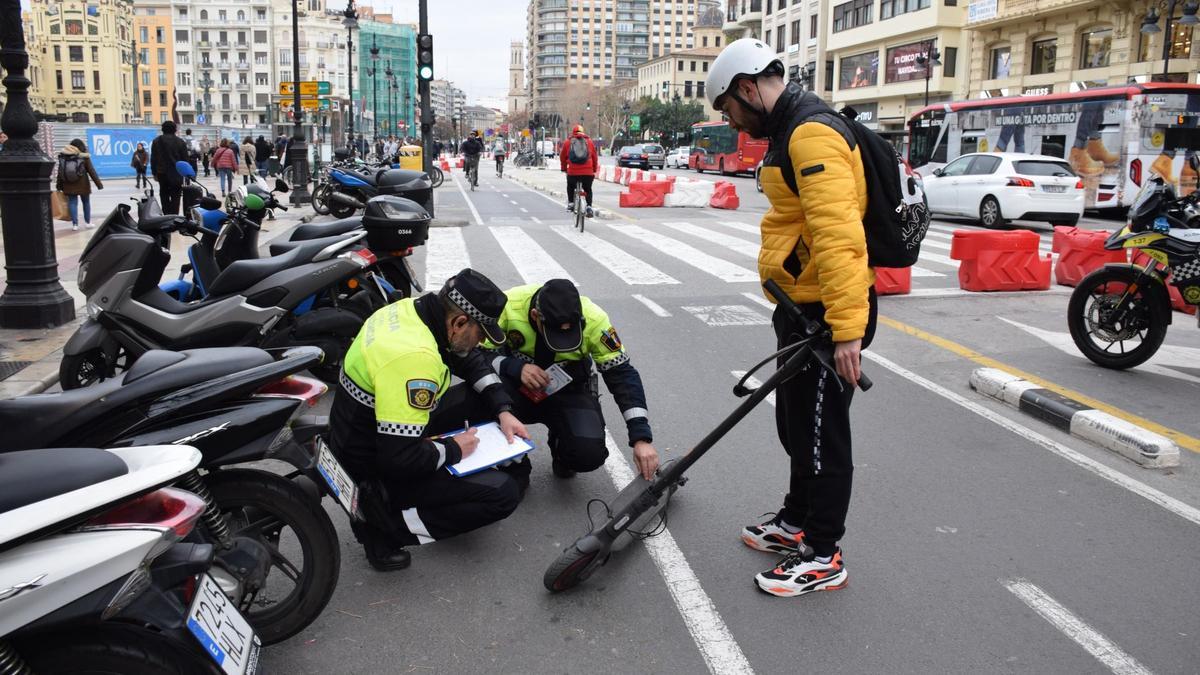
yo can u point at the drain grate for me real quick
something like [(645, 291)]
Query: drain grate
[(10, 368)]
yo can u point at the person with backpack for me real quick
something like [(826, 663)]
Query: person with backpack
[(581, 163), (74, 172), (140, 162), (246, 165), (225, 161), (471, 149), (193, 148), (206, 150), (814, 246), (262, 155), (164, 152)]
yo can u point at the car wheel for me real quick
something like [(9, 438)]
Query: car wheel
[(989, 212)]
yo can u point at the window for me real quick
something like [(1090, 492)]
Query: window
[(705, 66), (260, 37), (1042, 55), (143, 34), (95, 54), (680, 64), (693, 66), (185, 79), (1181, 44), (891, 8), (145, 78), (983, 165), (162, 56), (767, 38), (145, 98), (999, 62), (958, 167), (58, 79), (144, 56), (812, 27), (852, 14), (949, 60), (204, 15), (829, 75), (183, 13), (159, 35), (687, 89), (75, 54), (700, 89), (222, 16), (77, 81), (1095, 49), (79, 117), (162, 99), (780, 38), (183, 58), (796, 31), (162, 77), (181, 36), (57, 53)]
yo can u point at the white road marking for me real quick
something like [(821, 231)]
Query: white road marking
[(918, 271), (1185, 511), (712, 637), (722, 269), (504, 195), (536, 219), (471, 204), (628, 268), (445, 255), (1105, 651), (759, 299), (754, 383), (741, 227), (514, 202), (728, 315), (531, 260), (735, 244), (555, 200), (523, 209), (652, 305), (958, 292)]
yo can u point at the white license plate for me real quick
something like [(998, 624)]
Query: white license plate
[(222, 630), (343, 487), (1054, 188)]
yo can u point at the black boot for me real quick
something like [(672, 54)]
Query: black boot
[(387, 558)]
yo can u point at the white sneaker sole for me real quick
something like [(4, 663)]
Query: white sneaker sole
[(786, 589), (759, 545)]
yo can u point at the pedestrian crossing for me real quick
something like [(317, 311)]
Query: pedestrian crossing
[(647, 254)]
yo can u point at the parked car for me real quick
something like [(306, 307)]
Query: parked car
[(656, 157), (997, 187), (632, 155), (678, 158)]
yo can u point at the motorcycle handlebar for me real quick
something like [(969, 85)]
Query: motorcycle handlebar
[(809, 326)]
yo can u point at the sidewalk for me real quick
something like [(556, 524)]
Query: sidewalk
[(29, 358)]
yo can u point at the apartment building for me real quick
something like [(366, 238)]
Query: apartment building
[(447, 100), (394, 108), (1022, 47), (743, 18), (598, 42), (85, 66), (36, 48), (879, 52), (156, 61), (680, 75), (794, 29)]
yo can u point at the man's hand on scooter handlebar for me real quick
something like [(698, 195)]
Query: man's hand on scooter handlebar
[(846, 364)]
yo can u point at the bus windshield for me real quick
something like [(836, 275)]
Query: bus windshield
[(925, 133)]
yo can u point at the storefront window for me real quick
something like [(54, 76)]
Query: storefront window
[(1181, 44), (861, 70), (1001, 58), (1097, 45), (1043, 53)]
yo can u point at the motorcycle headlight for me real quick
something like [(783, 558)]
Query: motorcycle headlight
[(93, 310), (196, 217)]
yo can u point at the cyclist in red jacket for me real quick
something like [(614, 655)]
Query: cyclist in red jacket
[(579, 160)]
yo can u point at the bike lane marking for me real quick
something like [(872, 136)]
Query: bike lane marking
[(1181, 439), (471, 204)]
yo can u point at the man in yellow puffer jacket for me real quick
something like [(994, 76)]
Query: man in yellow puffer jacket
[(814, 247)]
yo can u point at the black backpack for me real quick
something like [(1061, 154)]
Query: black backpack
[(72, 168), (897, 214), (578, 152)]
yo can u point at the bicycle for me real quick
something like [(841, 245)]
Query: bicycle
[(436, 176), (500, 167), (473, 175), (580, 207)]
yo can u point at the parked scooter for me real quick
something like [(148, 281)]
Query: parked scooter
[(349, 189), (250, 302), (94, 575), (277, 552)]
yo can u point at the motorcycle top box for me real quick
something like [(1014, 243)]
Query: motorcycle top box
[(395, 223), (414, 185)]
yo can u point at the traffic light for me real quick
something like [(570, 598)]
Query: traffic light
[(425, 57)]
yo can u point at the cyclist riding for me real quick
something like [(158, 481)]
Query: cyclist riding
[(499, 150), (471, 148), (581, 164)]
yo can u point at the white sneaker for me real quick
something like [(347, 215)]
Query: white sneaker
[(801, 573), (75, 226), (89, 225)]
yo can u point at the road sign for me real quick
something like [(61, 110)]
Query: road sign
[(310, 103), (307, 88), (635, 122)]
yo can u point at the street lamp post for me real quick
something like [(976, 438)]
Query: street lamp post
[(33, 296), (374, 87), (1150, 27), (351, 24), (391, 82), (135, 81), (298, 147), (928, 59)]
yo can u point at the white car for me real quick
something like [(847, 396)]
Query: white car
[(678, 158), (997, 187)]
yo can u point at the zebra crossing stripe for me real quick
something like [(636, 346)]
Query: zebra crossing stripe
[(652, 305), (532, 261), (735, 244), (627, 268), (754, 383), (741, 227), (728, 315), (445, 256), (722, 269)]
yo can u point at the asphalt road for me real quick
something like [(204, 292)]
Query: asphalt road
[(979, 539)]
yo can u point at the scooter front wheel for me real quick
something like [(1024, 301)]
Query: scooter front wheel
[(320, 199), (90, 367), (572, 568)]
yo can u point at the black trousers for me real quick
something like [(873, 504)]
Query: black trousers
[(169, 196), (442, 506), (573, 417), (585, 181), (812, 414), (140, 180)]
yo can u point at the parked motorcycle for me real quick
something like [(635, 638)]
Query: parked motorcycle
[(1118, 315), (95, 576), (349, 189), (277, 552)]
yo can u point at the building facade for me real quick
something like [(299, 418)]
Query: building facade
[(795, 30), (155, 81), (1021, 47), (394, 107), (743, 18), (879, 52), (518, 97), (85, 66)]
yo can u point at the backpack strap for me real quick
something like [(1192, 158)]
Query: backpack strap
[(828, 118)]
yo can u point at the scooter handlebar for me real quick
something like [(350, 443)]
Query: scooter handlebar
[(809, 326)]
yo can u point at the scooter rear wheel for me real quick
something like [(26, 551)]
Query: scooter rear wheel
[(320, 199), (572, 568), (112, 649), (341, 210)]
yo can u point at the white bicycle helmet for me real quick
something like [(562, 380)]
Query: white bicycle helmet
[(745, 57)]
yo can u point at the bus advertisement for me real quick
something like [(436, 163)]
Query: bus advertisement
[(717, 147), (1113, 137)]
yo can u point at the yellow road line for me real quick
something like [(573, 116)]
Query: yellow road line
[(1181, 439)]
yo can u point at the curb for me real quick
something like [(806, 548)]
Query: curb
[(602, 214), (1139, 445)]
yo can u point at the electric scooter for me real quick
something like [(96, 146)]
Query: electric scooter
[(640, 501)]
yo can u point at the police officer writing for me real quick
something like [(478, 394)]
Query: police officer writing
[(553, 334), (395, 398), (814, 247)]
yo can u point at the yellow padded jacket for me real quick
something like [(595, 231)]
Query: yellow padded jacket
[(813, 243)]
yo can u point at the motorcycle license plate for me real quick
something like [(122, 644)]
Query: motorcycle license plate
[(223, 632), (343, 487)]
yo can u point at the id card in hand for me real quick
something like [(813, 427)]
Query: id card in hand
[(558, 379)]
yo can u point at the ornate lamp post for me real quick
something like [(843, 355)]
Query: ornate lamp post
[(136, 116), (298, 147), (351, 23), (1150, 27), (374, 89), (33, 298), (391, 80)]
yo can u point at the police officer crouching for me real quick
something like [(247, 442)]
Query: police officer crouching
[(551, 325), (395, 396)]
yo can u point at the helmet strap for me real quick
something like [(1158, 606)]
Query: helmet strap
[(760, 112)]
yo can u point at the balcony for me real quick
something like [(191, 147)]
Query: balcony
[(242, 65), (552, 38), (1013, 11), (551, 5), (223, 44), (224, 65), (751, 14), (204, 44)]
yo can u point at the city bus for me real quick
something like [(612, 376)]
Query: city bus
[(717, 147), (1113, 137)]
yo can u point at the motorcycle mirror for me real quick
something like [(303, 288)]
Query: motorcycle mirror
[(185, 169), (281, 186), (210, 203)]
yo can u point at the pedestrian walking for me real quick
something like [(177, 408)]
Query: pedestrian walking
[(193, 146), (140, 163), (164, 152), (247, 160), (262, 155), (206, 150), (225, 161), (75, 177)]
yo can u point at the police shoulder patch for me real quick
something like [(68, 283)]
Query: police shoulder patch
[(610, 339), (422, 394), (516, 339)]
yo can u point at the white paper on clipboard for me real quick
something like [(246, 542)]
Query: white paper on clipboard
[(493, 449)]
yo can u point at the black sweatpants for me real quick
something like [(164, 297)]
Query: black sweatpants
[(813, 419), (573, 417), (586, 181), (442, 506), (169, 195)]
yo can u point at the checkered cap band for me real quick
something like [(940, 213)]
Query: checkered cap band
[(466, 306)]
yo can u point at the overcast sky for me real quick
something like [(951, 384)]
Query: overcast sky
[(470, 39)]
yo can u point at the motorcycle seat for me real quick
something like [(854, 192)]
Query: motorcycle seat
[(329, 229), (30, 476), (41, 419), (242, 274), (365, 176), (313, 246)]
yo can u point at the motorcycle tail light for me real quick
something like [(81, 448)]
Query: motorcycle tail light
[(1017, 181), (363, 256), (172, 508), (304, 389), (1135, 172)]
